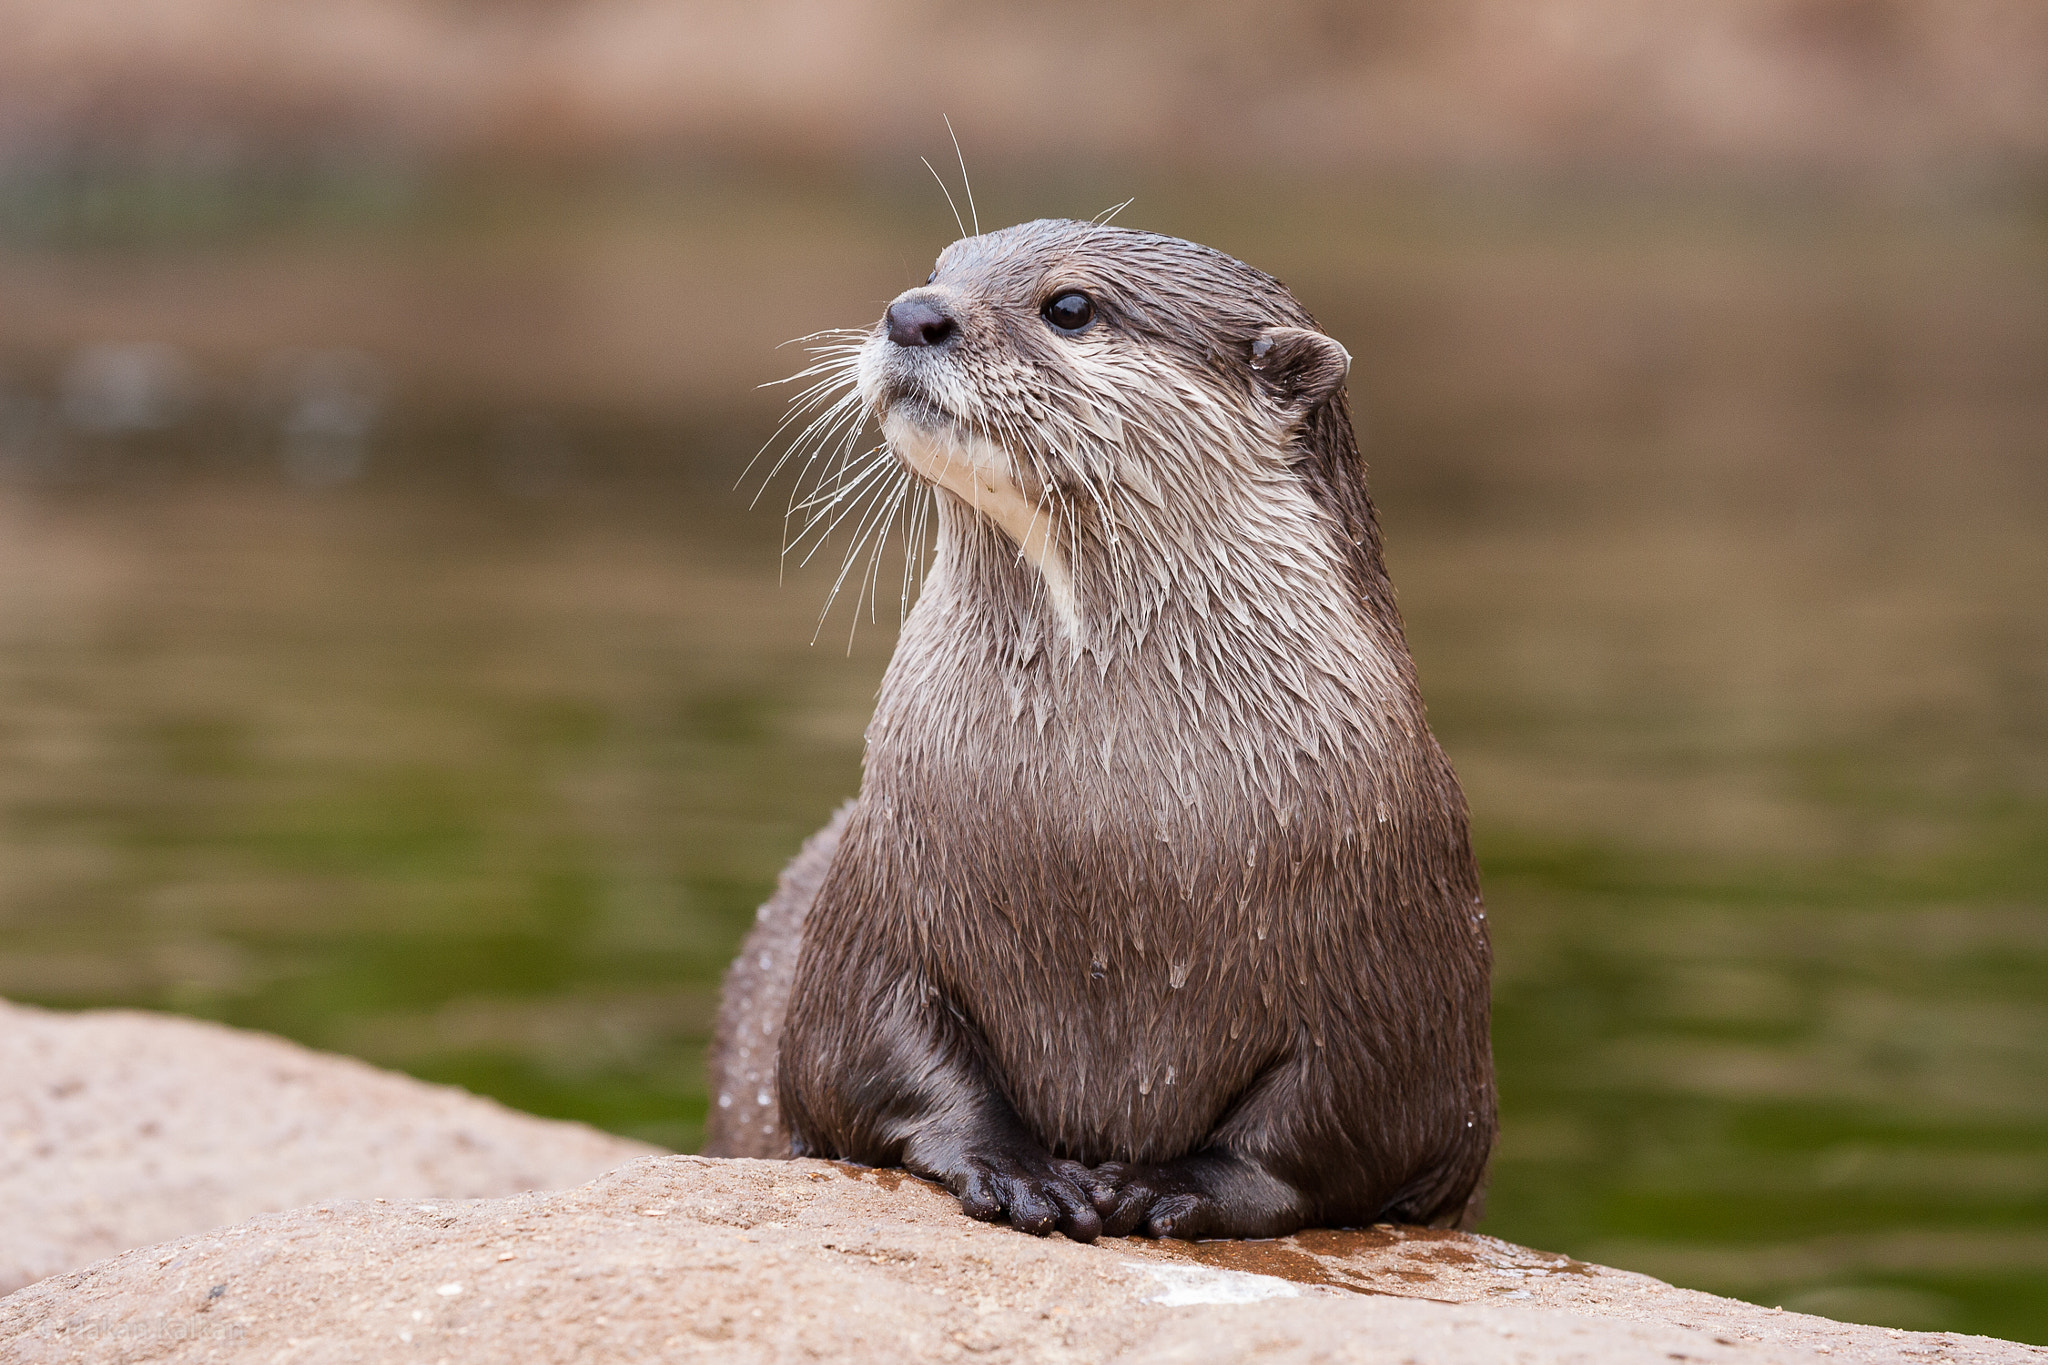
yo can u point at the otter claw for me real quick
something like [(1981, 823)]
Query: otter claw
[(1169, 1215)]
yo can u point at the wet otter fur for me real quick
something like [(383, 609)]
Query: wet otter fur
[(1156, 911)]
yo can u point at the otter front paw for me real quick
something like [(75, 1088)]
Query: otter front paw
[(1152, 1201), (1034, 1191), (1209, 1194)]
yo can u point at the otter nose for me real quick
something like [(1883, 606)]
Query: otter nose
[(919, 322)]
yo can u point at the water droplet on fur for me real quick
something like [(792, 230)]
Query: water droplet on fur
[(761, 1098), (1178, 977), (1145, 1086), (725, 1101)]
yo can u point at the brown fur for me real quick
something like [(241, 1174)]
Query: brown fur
[(1156, 912)]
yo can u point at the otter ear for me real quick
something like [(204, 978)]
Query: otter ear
[(1301, 367)]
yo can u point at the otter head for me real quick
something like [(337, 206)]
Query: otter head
[(1115, 402)]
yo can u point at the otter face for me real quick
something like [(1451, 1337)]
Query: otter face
[(1083, 386)]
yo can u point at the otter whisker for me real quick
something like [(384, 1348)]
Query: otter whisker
[(825, 359), (873, 458), (855, 494), (813, 494), (913, 546), (825, 443), (839, 369), (828, 377), (874, 528), (1047, 496), (813, 513), (870, 524), (817, 527), (965, 183), (858, 472), (1103, 218), (876, 486), (804, 405), (949, 196), (854, 334), (873, 575), (830, 437)]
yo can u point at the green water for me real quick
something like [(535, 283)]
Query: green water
[(1723, 547)]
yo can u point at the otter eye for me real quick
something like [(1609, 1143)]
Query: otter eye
[(1070, 312)]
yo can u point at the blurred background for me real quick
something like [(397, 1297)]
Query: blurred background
[(388, 661)]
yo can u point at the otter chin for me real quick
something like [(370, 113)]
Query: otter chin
[(981, 474), (1156, 911)]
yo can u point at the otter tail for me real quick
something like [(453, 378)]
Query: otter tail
[(745, 1119)]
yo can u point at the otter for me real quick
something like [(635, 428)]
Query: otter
[(1156, 911)]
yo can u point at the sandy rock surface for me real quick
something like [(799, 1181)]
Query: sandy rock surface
[(120, 1129), (677, 1258), (404, 1238)]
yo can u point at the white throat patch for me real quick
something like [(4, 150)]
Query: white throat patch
[(978, 472)]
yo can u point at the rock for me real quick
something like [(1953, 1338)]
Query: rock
[(675, 1257), (119, 1129), (404, 1237)]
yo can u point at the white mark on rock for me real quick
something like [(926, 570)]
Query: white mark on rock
[(450, 1289), (1183, 1286)]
